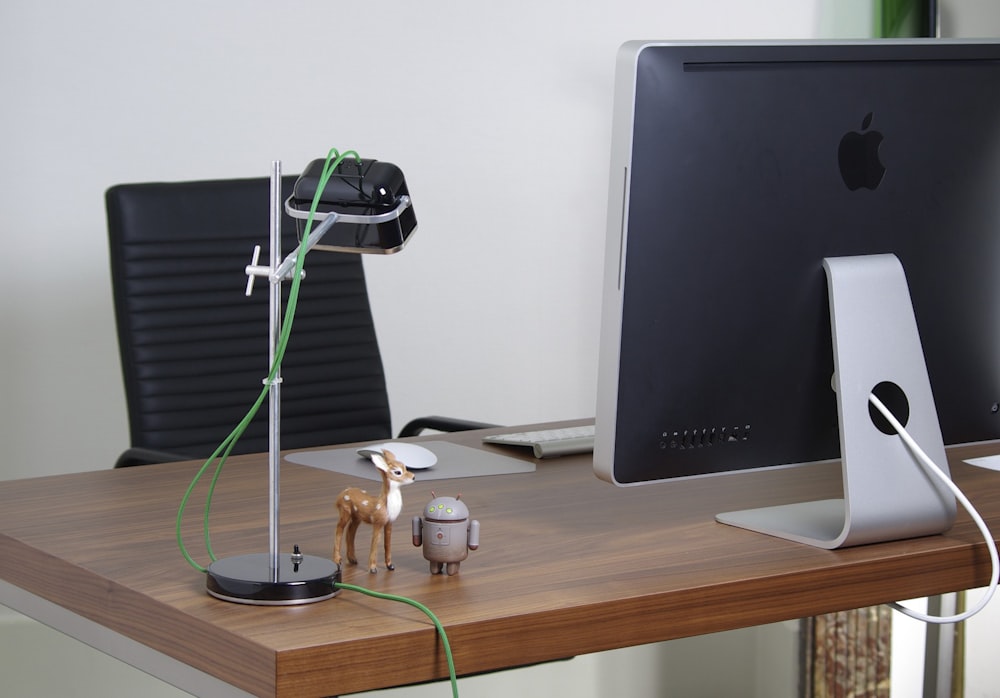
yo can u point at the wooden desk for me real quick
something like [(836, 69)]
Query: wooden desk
[(567, 565)]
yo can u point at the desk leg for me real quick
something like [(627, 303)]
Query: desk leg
[(939, 653)]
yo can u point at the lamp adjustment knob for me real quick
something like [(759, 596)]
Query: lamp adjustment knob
[(253, 270)]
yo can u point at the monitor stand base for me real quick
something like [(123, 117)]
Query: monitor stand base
[(817, 523), (876, 347)]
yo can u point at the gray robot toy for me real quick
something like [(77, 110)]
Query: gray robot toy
[(446, 533)]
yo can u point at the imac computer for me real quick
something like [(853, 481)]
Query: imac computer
[(792, 228)]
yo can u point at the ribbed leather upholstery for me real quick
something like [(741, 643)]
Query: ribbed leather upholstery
[(194, 349)]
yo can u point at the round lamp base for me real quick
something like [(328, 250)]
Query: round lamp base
[(249, 579)]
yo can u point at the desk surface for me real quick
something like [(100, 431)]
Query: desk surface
[(567, 565)]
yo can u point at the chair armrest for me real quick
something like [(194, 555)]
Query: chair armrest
[(415, 426), (136, 455)]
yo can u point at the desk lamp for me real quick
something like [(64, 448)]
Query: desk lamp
[(362, 206)]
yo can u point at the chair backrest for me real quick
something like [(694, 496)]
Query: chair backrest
[(194, 348)]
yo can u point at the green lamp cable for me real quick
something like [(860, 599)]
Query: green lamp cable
[(416, 604), (221, 454)]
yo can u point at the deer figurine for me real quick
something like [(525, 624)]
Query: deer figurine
[(357, 506)]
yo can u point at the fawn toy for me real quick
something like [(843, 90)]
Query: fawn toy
[(357, 506)]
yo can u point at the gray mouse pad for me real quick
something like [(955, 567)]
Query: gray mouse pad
[(452, 461)]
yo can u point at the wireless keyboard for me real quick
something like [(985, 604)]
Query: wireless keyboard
[(549, 443)]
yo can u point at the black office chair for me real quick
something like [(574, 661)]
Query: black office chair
[(194, 348)]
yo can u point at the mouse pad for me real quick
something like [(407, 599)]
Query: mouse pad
[(453, 461), (988, 462)]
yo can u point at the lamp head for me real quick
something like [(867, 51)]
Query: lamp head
[(370, 198)]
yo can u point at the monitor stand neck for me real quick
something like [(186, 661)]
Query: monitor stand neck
[(876, 347)]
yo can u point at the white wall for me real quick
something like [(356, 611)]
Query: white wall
[(498, 113), (969, 18)]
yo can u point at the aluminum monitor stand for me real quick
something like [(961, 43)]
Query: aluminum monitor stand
[(876, 347)]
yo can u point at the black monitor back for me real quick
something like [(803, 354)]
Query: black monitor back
[(727, 191)]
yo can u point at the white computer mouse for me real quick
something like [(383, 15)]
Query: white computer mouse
[(413, 456)]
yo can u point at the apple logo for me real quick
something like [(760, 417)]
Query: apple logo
[(858, 155)]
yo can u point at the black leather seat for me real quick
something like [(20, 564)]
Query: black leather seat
[(194, 348)]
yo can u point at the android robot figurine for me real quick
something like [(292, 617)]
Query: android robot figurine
[(446, 533)]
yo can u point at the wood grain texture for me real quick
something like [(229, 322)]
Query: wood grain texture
[(567, 565)]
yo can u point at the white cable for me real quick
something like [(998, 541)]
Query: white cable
[(929, 464)]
